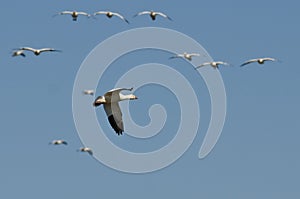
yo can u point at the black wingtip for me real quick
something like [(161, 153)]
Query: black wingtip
[(114, 125)]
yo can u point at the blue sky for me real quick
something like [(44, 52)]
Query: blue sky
[(257, 155)]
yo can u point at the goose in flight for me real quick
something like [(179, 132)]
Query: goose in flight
[(258, 60), (110, 14), (89, 92), (86, 149), (18, 53), (74, 14), (186, 55), (153, 14), (39, 51), (58, 142), (110, 103), (214, 64)]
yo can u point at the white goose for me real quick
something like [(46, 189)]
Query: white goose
[(214, 64), (39, 51), (58, 142), (110, 14), (89, 92), (110, 103), (18, 53), (153, 14), (86, 149), (74, 14), (258, 60), (186, 55)]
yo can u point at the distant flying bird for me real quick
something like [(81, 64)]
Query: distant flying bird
[(58, 142), (110, 103), (259, 60), (74, 14), (153, 14), (89, 92), (18, 53), (110, 14), (39, 51), (214, 64), (86, 149), (186, 55)]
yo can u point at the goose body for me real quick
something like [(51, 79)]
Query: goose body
[(153, 14), (186, 55), (110, 14), (74, 14), (58, 142), (111, 106), (38, 51), (214, 64), (258, 60)]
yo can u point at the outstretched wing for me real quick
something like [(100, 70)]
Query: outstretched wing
[(83, 13), (203, 64), (142, 13), (101, 13), (164, 15), (249, 61), (176, 56), (114, 115), (116, 91), (222, 63), (90, 151), (269, 59), (66, 13), (28, 49), (120, 16), (49, 49), (194, 54)]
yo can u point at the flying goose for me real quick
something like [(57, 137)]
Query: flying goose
[(86, 149), (39, 51), (153, 14), (18, 53), (258, 60), (58, 142), (110, 14), (214, 64), (88, 92), (185, 55), (110, 103), (74, 14)]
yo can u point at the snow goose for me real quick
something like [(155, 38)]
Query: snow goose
[(86, 149), (58, 142), (89, 92), (39, 51), (153, 14), (185, 55), (18, 53), (74, 14), (110, 103), (258, 60), (214, 64), (110, 14)]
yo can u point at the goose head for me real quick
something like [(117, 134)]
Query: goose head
[(100, 100), (132, 97)]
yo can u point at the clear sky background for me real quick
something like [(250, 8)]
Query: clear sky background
[(257, 155)]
